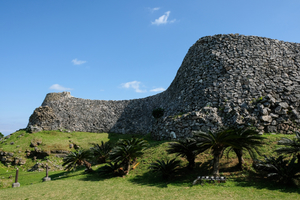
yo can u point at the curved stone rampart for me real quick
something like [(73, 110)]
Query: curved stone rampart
[(223, 80)]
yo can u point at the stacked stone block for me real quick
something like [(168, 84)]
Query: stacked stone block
[(224, 80)]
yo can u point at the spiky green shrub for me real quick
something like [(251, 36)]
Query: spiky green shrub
[(101, 152), (78, 158), (216, 142), (249, 140), (290, 146), (113, 169), (127, 151), (232, 138), (165, 168), (279, 169), (186, 148)]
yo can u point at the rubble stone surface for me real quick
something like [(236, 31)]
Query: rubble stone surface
[(223, 80)]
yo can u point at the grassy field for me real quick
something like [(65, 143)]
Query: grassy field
[(140, 183)]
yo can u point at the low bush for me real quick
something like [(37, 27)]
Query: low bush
[(165, 168), (279, 169)]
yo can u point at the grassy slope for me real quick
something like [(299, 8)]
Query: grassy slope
[(140, 183)]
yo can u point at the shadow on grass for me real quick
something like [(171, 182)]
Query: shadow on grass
[(68, 174), (257, 181), (183, 177)]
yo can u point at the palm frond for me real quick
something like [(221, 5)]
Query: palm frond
[(186, 148), (115, 169), (279, 169), (101, 152), (165, 168), (290, 146), (126, 151), (76, 158)]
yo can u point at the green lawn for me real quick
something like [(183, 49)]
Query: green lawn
[(140, 183), (132, 187)]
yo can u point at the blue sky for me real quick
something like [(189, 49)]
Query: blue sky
[(114, 50)]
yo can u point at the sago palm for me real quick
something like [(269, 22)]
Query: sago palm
[(126, 151), (248, 140), (186, 148), (279, 169), (165, 168), (217, 142), (101, 152), (110, 168), (78, 158), (290, 146)]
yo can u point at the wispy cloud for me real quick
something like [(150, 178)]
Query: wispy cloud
[(154, 9), (163, 19), (59, 87), (158, 89), (78, 62), (133, 84)]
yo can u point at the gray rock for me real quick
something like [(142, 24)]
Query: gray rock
[(274, 115), (34, 129), (173, 135), (272, 129), (296, 114), (265, 111), (16, 185), (266, 118), (278, 109), (284, 105), (46, 179)]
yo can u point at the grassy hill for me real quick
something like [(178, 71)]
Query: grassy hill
[(140, 183)]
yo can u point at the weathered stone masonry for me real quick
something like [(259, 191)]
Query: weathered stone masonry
[(223, 80)]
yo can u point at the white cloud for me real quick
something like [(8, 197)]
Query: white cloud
[(158, 89), (163, 19), (133, 84), (78, 62), (58, 87), (154, 9)]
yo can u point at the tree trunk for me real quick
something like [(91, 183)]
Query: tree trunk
[(101, 159), (239, 153), (128, 166), (216, 163), (191, 163), (88, 166)]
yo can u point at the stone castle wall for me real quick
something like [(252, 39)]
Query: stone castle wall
[(223, 80)]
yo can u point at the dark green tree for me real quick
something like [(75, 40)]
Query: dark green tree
[(186, 148), (115, 169), (127, 151), (1, 135), (101, 152), (249, 140), (217, 142), (78, 158), (290, 146), (165, 168), (279, 169)]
